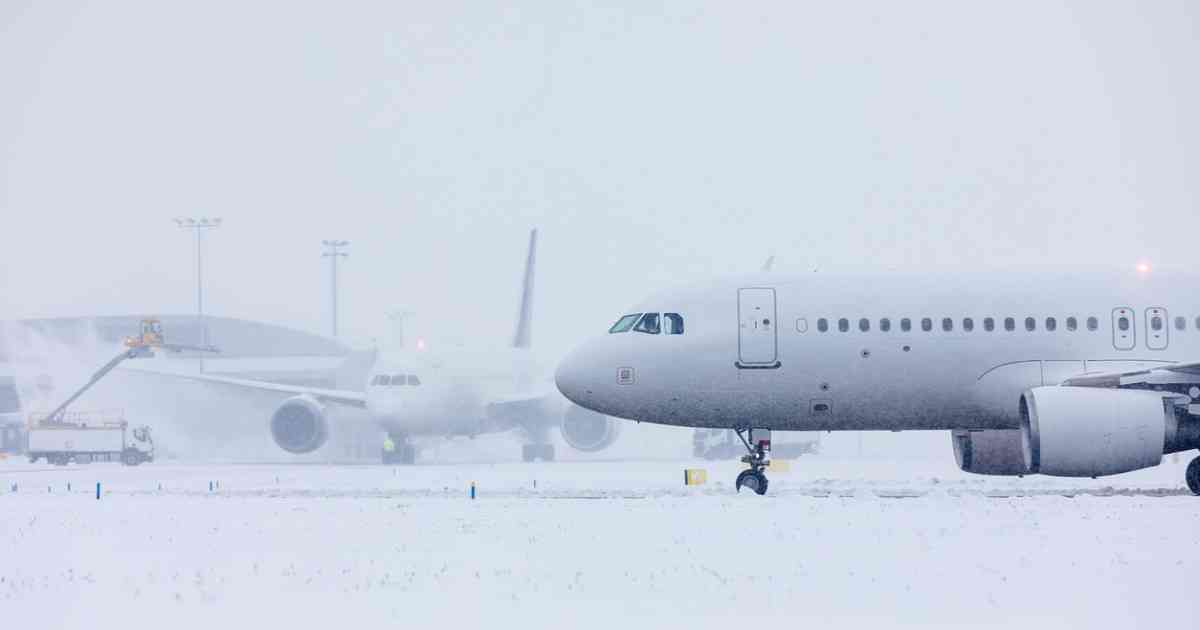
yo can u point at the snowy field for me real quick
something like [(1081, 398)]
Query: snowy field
[(838, 542)]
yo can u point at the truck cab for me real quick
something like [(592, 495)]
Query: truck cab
[(12, 425)]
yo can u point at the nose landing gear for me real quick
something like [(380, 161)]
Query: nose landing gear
[(1193, 476), (753, 477)]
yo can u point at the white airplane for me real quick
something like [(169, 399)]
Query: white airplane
[(420, 393), (1073, 375)]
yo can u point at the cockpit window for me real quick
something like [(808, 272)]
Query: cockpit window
[(625, 323), (413, 380), (380, 379), (649, 324), (674, 323)]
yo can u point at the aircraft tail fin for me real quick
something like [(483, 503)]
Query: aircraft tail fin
[(523, 336)]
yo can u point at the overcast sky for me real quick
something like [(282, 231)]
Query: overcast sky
[(651, 143)]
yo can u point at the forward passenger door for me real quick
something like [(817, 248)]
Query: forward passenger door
[(757, 324)]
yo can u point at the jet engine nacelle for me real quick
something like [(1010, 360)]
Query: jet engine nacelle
[(588, 431), (992, 452), (1090, 431), (299, 425)]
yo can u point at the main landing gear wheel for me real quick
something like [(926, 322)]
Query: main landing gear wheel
[(1193, 476), (753, 477)]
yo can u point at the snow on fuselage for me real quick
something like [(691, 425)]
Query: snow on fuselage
[(884, 352)]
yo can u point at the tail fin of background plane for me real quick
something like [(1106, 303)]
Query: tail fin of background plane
[(523, 337)]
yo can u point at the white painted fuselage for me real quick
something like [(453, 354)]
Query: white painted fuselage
[(446, 392), (893, 351)]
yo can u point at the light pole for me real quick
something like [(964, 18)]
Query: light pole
[(199, 226), (398, 317), (333, 251)]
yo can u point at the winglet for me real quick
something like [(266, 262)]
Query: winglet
[(523, 337)]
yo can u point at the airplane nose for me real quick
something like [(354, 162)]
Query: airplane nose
[(571, 378)]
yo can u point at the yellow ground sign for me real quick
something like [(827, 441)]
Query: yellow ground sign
[(779, 465), (694, 476)]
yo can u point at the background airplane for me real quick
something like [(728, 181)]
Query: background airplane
[(428, 391)]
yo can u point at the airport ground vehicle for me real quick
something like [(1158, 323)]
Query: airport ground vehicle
[(82, 437), (724, 444), (12, 438), (85, 438)]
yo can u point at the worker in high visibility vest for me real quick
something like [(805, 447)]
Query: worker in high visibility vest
[(389, 450)]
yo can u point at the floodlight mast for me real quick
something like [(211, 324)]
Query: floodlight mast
[(333, 251), (198, 226)]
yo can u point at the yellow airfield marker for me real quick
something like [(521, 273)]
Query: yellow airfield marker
[(694, 476)]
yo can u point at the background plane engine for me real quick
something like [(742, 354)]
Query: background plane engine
[(588, 431), (299, 425)]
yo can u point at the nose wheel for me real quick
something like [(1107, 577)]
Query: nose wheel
[(752, 480), (1193, 476), (753, 477)]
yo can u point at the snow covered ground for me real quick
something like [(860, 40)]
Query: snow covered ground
[(838, 542)]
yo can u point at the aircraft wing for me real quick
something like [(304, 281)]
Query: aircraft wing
[(1179, 379), (1170, 374), (522, 410), (343, 397)]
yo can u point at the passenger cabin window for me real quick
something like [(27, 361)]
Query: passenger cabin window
[(1072, 323), (802, 325), (1156, 323), (1180, 323), (1051, 324), (1123, 323), (1030, 324), (864, 324), (1010, 324), (625, 324), (968, 324), (1198, 323), (885, 324), (674, 323), (823, 325), (1094, 324), (906, 324), (989, 324), (947, 324), (649, 324), (413, 380), (926, 324), (844, 325)]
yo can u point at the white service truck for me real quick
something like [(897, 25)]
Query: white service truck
[(83, 442)]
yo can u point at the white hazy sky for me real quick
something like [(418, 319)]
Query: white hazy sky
[(650, 141)]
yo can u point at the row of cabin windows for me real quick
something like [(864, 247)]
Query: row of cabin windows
[(396, 379), (968, 324), (649, 323)]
